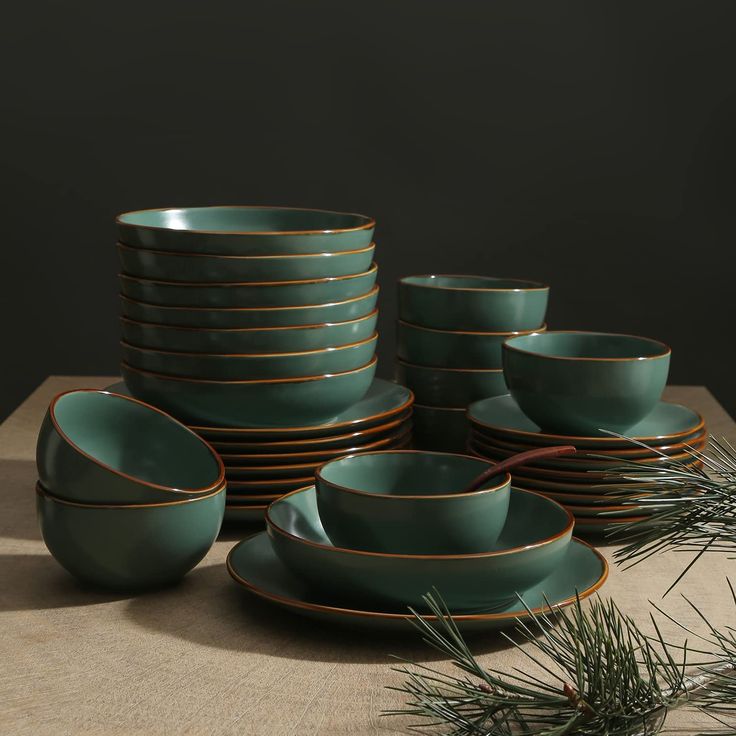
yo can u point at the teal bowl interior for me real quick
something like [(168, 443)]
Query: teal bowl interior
[(100, 447), (411, 502)]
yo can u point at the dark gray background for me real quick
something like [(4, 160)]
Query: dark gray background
[(590, 145)]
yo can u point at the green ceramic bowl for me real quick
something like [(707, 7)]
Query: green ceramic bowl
[(452, 387), (440, 428), (410, 502), (451, 349), (198, 267), (482, 303), (245, 230), (234, 367), (532, 544), (249, 294), (251, 317), (249, 339), (583, 382), (130, 547), (100, 447), (281, 402)]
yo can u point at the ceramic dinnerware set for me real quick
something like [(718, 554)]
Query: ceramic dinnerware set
[(378, 530), (128, 498), (449, 338)]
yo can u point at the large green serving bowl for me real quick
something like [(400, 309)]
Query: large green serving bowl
[(280, 402), (248, 339), (251, 317), (234, 367), (584, 382), (203, 268), (249, 294), (533, 542), (451, 348), (451, 387), (440, 428), (411, 502), (131, 547), (482, 303), (243, 230), (100, 447)]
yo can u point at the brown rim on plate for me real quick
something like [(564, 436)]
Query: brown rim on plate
[(515, 333), (442, 369), (427, 617), (303, 481), (441, 408), (612, 520), (120, 473), (537, 285)]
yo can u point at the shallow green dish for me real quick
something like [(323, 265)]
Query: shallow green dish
[(248, 340), (254, 366), (451, 349), (187, 267), (245, 514), (249, 294), (130, 547), (451, 387), (267, 486), (483, 303), (410, 502), (286, 472), (533, 543), (100, 447), (585, 382), (245, 230), (440, 428), (261, 403)]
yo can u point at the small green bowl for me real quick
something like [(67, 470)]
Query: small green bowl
[(583, 382), (533, 542), (131, 547), (249, 339), (452, 349), (444, 428), (245, 230), (411, 502), (100, 447), (452, 387), (281, 402), (202, 268), (251, 317), (249, 294), (481, 303)]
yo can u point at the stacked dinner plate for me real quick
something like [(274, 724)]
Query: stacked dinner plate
[(585, 483)]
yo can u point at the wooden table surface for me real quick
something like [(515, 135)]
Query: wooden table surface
[(204, 657)]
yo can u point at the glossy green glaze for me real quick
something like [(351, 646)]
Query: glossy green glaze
[(280, 403), (533, 543), (481, 303), (130, 547), (448, 349), (437, 428), (255, 366), (585, 382), (253, 564), (99, 447), (245, 230), (501, 415), (249, 294), (411, 502), (248, 340), (196, 267), (450, 387)]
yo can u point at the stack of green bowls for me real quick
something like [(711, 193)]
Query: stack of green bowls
[(449, 339)]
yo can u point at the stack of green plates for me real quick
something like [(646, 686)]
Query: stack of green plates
[(586, 483)]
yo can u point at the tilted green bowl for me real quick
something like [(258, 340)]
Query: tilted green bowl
[(130, 547), (243, 230), (533, 542), (482, 303), (440, 428), (100, 447)]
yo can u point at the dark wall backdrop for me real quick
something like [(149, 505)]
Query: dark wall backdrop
[(590, 145)]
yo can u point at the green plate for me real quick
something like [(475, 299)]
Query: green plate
[(245, 513), (501, 415), (253, 564)]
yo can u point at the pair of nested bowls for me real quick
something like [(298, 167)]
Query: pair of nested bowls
[(127, 498), (386, 527), (450, 332), (248, 316)]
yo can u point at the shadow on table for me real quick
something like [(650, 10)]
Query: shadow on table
[(18, 500)]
